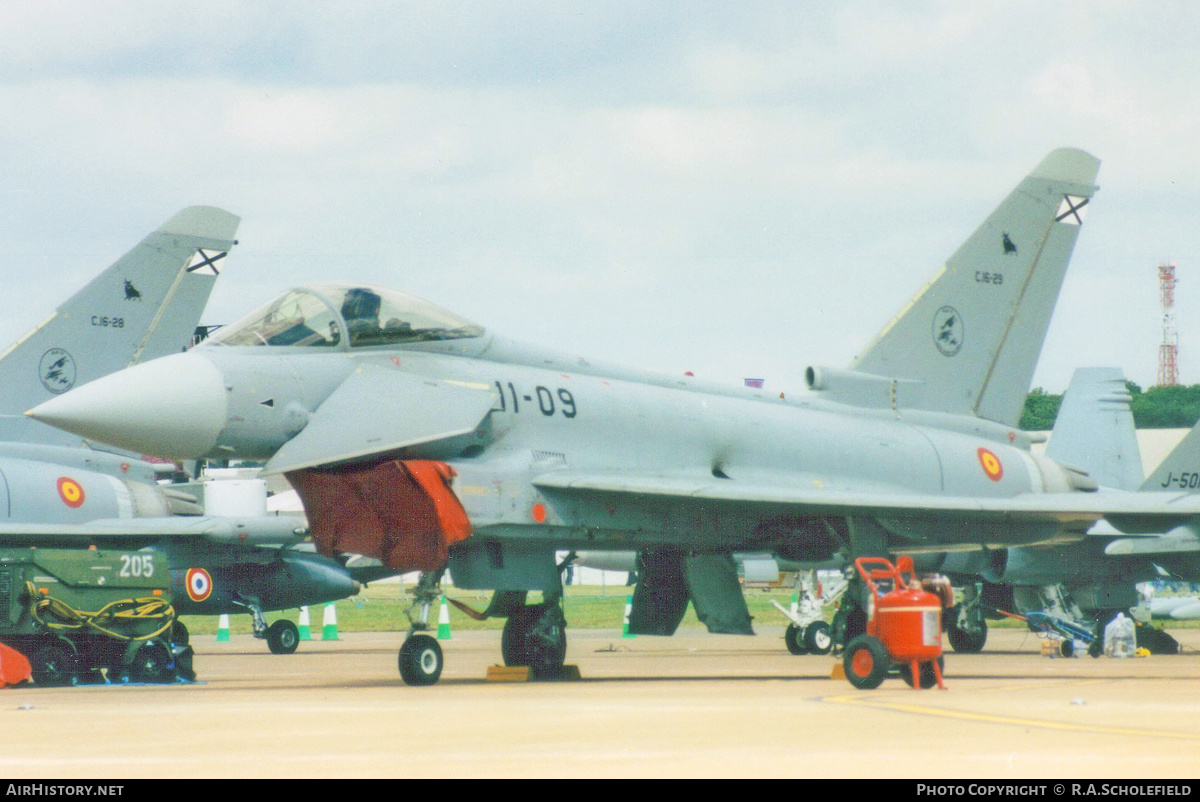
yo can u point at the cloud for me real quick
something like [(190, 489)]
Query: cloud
[(759, 184)]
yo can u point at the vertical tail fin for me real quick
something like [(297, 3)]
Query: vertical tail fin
[(1094, 429), (1181, 468), (973, 335), (147, 304)]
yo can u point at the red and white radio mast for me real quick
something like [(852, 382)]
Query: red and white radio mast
[(1168, 351)]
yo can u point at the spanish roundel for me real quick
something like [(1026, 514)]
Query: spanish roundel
[(70, 492), (199, 584), (991, 464)]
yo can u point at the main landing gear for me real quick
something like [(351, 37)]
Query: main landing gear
[(816, 638), (808, 633), (536, 636), (966, 628)]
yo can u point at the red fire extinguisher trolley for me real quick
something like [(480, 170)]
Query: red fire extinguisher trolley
[(904, 626)]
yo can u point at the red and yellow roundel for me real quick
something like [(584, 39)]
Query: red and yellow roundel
[(199, 584), (991, 464), (70, 492)]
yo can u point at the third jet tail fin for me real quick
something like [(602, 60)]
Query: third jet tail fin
[(145, 305), (970, 340), (1094, 429)]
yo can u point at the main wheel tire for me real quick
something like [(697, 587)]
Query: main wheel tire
[(283, 637), (54, 663), (153, 662), (818, 637), (514, 639), (925, 671), (420, 660), (1156, 640), (855, 624), (179, 634), (866, 662), (793, 638), (967, 641)]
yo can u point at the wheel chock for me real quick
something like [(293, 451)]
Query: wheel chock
[(838, 672), (567, 674), (508, 674), (524, 674)]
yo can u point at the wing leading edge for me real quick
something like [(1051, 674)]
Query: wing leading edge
[(1131, 512), (257, 530)]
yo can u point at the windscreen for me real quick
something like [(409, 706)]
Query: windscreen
[(299, 317)]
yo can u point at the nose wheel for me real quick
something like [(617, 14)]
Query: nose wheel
[(283, 637), (420, 660)]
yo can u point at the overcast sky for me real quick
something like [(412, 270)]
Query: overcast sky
[(738, 189)]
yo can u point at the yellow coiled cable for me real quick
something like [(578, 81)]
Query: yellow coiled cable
[(56, 614)]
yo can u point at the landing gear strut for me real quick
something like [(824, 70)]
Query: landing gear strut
[(966, 628), (282, 637)]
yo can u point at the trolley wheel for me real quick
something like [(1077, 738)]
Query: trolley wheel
[(152, 663), (793, 638), (179, 634), (928, 678), (420, 660), (1066, 647), (283, 637), (866, 662), (54, 663), (818, 637)]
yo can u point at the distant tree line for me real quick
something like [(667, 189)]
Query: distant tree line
[(1156, 408)]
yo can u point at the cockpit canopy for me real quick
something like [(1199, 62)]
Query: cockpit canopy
[(333, 314)]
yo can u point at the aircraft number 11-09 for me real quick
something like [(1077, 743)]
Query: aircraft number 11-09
[(548, 401)]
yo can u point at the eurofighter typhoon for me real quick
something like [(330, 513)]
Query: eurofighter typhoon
[(422, 439)]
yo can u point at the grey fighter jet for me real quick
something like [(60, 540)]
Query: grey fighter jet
[(1094, 432), (54, 490), (420, 438)]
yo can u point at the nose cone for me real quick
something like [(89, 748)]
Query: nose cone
[(174, 407)]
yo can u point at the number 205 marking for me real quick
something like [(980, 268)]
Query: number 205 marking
[(137, 565)]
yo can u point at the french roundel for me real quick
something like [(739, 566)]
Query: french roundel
[(71, 492), (199, 584), (991, 464)]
